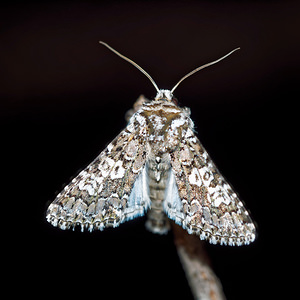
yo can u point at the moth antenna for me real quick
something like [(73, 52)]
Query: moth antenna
[(202, 67), (132, 62)]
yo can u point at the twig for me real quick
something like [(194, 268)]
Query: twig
[(203, 282)]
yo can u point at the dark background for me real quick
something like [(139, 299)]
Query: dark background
[(64, 96)]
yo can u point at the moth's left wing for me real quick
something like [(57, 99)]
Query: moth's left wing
[(109, 191), (200, 200)]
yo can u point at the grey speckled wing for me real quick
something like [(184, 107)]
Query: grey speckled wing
[(99, 196), (209, 207)]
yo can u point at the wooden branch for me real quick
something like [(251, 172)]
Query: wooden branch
[(203, 282)]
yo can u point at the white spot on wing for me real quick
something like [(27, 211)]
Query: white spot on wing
[(177, 123), (194, 177), (90, 189), (118, 171)]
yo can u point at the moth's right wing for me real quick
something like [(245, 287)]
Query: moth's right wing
[(200, 200), (109, 191)]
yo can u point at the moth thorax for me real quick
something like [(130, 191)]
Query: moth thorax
[(164, 94)]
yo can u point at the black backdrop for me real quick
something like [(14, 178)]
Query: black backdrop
[(64, 96)]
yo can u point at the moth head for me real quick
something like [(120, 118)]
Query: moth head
[(166, 94)]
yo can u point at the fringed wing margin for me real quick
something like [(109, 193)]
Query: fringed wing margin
[(204, 203), (109, 191)]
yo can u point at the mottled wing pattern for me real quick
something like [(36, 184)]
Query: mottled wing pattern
[(99, 196), (209, 207)]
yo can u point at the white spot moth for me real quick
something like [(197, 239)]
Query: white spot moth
[(155, 165)]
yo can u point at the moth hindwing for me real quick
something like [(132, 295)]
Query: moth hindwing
[(157, 164)]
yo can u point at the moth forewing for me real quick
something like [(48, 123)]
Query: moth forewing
[(100, 196), (212, 209)]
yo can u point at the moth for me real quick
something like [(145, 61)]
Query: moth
[(155, 165)]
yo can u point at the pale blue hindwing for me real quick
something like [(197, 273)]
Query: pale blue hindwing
[(139, 199), (172, 202)]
